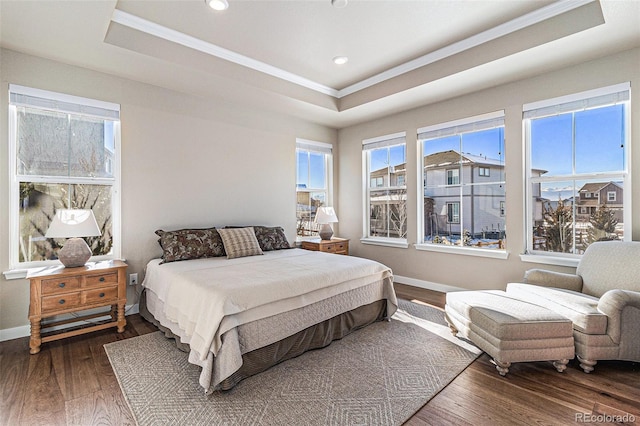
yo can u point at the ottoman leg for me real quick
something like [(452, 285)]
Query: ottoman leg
[(502, 367), (561, 365)]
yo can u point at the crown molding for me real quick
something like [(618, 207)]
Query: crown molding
[(157, 30), (501, 30)]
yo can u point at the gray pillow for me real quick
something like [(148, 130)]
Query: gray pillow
[(240, 242)]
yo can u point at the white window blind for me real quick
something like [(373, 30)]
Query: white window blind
[(321, 147), (53, 101), (467, 125), (384, 141), (581, 101)]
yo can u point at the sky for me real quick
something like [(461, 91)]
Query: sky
[(599, 135)]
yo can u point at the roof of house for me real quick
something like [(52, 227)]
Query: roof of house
[(596, 186), (451, 157)]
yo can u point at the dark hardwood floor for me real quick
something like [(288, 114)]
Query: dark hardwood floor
[(70, 382)]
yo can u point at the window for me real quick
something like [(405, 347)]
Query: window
[(377, 182), (313, 184), (457, 208), (385, 162), (65, 153), (453, 177), (453, 212), (611, 196), (576, 144)]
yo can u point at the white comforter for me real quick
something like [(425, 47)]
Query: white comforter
[(199, 294)]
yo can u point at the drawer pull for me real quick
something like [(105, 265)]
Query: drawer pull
[(61, 301), (61, 285), (101, 279), (101, 294)]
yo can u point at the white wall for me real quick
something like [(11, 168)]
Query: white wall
[(467, 271), (186, 162)]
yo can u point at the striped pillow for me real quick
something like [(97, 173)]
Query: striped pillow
[(239, 242)]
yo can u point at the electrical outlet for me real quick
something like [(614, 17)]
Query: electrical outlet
[(133, 279)]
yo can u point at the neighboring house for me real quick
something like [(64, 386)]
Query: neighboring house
[(388, 201), (597, 194), (448, 207)]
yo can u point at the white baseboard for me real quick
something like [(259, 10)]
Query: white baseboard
[(25, 330), (426, 284)]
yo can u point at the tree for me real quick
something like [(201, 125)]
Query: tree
[(558, 227), (398, 212), (603, 224)]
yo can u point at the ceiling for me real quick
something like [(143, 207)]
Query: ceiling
[(277, 55)]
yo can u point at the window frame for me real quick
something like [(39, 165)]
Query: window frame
[(78, 106), (468, 122), (562, 105), (389, 141), (326, 149)]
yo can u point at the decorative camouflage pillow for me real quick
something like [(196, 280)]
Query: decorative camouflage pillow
[(185, 244), (269, 238)]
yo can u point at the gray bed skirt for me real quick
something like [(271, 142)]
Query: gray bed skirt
[(314, 337)]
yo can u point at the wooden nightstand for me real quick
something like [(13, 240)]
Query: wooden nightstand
[(60, 290), (334, 245)]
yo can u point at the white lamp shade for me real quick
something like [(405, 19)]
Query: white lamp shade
[(69, 223), (326, 215)]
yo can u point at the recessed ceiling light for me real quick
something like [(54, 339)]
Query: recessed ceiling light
[(340, 60), (218, 4), (339, 3)]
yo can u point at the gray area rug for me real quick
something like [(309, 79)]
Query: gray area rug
[(379, 375)]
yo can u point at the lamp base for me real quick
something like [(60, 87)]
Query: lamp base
[(325, 231), (74, 253)]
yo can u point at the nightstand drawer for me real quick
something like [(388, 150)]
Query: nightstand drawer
[(60, 302), (329, 248), (101, 280), (341, 247), (100, 295), (60, 285)]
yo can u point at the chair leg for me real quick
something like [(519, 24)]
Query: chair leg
[(502, 367), (586, 364), (561, 365)]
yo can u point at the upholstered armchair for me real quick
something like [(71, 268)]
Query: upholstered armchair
[(602, 300)]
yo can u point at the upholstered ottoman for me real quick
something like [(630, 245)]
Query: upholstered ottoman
[(510, 330)]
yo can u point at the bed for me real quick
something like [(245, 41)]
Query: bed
[(239, 316)]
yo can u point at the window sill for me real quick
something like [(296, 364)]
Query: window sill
[(22, 273), (465, 251), (15, 274), (386, 242), (550, 260)]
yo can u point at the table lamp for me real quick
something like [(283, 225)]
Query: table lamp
[(326, 216), (73, 224)]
